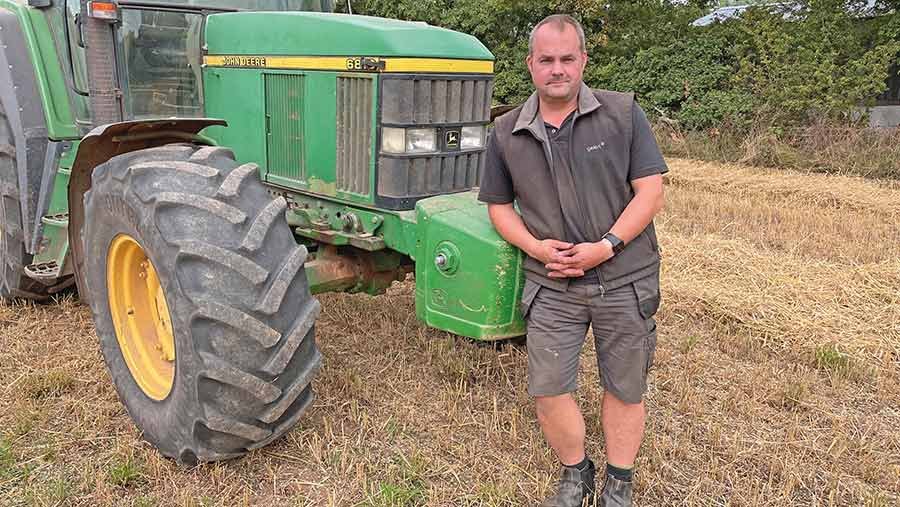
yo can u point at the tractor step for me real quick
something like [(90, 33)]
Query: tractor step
[(44, 271), (50, 262), (58, 220)]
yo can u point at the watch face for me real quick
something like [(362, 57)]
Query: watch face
[(617, 245)]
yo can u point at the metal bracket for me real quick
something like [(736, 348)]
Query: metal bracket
[(365, 242)]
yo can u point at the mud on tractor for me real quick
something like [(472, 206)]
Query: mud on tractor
[(200, 169)]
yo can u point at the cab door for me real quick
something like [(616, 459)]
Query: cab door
[(159, 60)]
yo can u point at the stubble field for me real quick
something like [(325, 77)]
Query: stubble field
[(776, 382)]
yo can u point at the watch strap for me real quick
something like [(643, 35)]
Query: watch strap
[(617, 244)]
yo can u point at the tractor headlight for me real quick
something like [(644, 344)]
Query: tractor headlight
[(421, 141), (393, 140), (400, 140), (472, 137)]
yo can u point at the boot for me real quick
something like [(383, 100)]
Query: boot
[(616, 493), (576, 488)]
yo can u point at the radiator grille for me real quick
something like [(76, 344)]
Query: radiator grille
[(430, 100), (439, 102), (284, 125), (424, 176), (354, 134)]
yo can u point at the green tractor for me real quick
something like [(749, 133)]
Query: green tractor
[(201, 168)]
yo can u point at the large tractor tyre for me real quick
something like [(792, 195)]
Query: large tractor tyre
[(13, 257), (200, 300)]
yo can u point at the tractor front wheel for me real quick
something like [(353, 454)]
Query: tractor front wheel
[(200, 300)]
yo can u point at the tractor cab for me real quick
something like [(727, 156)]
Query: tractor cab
[(158, 51)]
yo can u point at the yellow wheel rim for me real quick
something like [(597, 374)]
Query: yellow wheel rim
[(141, 317)]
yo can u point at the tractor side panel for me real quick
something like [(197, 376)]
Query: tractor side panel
[(35, 101), (34, 42), (236, 96), (311, 131), (468, 279), (52, 253)]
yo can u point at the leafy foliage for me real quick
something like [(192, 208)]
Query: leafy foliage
[(782, 65)]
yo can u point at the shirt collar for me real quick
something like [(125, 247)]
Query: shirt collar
[(530, 119)]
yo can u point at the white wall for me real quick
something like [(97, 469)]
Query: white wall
[(884, 116)]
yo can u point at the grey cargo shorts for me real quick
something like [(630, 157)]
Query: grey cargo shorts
[(624, 336)]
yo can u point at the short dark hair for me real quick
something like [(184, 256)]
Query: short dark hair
[(559, 21)]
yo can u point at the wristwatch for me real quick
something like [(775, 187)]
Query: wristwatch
[(617, 244)]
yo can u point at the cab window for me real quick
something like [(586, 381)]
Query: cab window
[(159, 60)]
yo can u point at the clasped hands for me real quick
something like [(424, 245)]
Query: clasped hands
[(569, 260)]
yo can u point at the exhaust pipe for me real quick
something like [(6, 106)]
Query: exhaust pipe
[(100, 54)]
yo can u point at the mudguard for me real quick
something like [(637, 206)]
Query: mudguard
[(107, 141), (24, 110)]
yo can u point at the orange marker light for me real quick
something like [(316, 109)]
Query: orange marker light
[(103, 10)]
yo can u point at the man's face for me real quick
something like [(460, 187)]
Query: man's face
[(556, 63)]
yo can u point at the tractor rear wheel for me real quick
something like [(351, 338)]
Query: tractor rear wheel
[(200, 300), (13, 257)]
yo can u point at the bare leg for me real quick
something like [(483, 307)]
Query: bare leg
[(623, 429), (563, 426)]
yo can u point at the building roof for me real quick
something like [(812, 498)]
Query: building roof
[(788, 8)]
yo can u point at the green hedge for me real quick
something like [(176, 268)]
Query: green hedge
[(819, 63)]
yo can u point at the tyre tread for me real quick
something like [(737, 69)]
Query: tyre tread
[(240, 321), (176, 166), (231, 426), (271, 301), (220, 371), (236, 178), (302, 325), (262, 223), (245, 267), (296, 388), (212, 206), (289, 422), (207, 153)]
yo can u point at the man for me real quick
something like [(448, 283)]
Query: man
[(586, 173)]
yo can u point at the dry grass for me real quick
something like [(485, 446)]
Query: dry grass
[(802, 260), (793, 187), (777, 380), (821, 147)]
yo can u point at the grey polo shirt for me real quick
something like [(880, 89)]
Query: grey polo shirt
[(561, 150)]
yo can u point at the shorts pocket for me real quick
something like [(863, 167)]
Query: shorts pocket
[(647, 292), (529, 293)]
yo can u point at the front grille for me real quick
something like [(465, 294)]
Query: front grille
[(354, 134), (430, 100), (284, 126), (439, 102), (425, 176)]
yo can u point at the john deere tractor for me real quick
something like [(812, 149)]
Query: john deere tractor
[(201, 168)]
